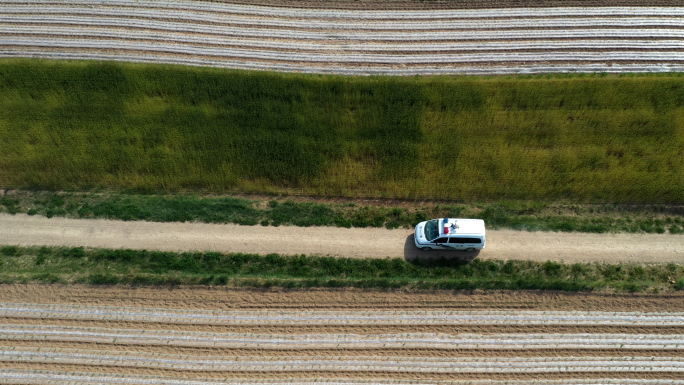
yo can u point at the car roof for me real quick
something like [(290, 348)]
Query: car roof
[(464, 226)]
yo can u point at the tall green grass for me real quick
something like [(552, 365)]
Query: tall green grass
[(142, 267), (81, 125), (519, 215)]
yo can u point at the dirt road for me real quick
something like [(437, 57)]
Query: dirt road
[(333, 241)]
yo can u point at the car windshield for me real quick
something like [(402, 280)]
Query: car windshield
[(431, 229)]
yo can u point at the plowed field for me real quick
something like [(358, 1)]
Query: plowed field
[(349, 37), (202, 336)]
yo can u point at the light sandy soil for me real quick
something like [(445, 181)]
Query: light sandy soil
[(333, 241), (219, 335)]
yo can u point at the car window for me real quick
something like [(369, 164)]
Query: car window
[(431, 231), (464, 240), (441, 240)]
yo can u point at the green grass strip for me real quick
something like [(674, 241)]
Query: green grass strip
[(518, 215), (586, 138), (142, 267)]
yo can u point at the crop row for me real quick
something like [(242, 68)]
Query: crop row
[(332, 69), (184, 49), (301, 341), (12, 376), (356, 317), (86, 16), (284, 12), (346, 24), (181, 49), (156, 28), (24, 33), (346, 363)]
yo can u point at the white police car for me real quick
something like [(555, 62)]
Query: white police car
[(451, 234)]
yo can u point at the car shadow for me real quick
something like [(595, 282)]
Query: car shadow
[(412, 253)]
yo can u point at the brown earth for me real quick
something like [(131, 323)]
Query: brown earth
[(351, 299)]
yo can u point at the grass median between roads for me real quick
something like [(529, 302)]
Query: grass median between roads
[(142, 267), (587, 138), (275, 211)]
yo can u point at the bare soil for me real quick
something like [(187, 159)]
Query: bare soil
[(220, 298)]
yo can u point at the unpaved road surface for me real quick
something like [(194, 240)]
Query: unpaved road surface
[(79, 334), (333, 241)]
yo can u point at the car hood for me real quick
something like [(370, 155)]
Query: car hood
[(420, 232)]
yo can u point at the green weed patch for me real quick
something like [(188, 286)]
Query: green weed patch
[(143, 267), (518, 215), (583, 138)]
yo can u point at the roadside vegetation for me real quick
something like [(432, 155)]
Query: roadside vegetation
[(142, 267), (582, 138), (276, 211)]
